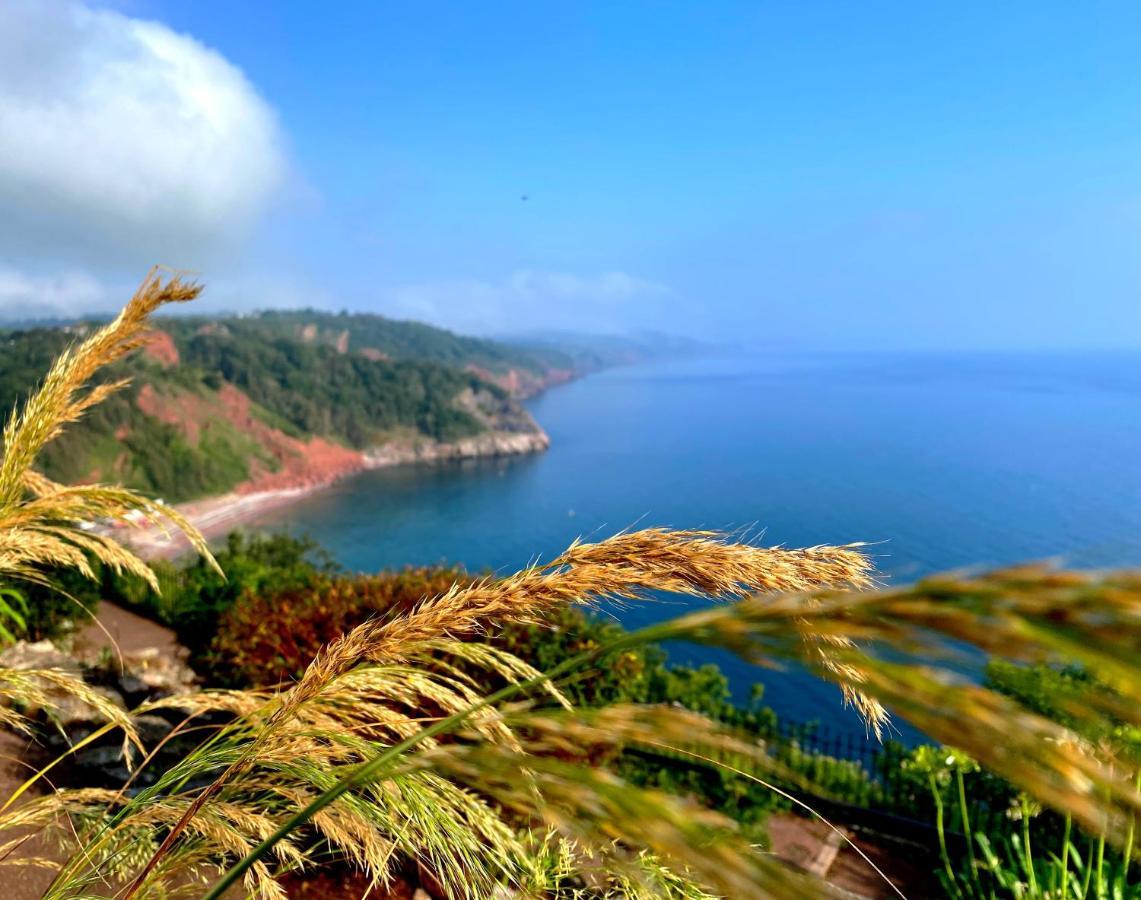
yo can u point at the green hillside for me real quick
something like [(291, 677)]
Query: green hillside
[(117, 440), (216, 403), (373, 335)]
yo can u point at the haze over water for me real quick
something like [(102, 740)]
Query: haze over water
[(948, 461)]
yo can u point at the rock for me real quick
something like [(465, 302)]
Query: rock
[(161, 673), (38, 655), (133, 689), (152, 729), (68, 712), (72, 714), (66, 720), (107, 760)]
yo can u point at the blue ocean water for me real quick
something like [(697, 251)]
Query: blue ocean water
[(945, 461)]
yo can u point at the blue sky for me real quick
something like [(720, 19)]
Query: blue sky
[(816, 174)]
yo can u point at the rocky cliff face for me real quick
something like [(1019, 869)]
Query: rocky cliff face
[(525, 383), (280, 462), (511, 431), (490, 444)]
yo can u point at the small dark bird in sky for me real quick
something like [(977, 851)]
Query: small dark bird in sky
[(524, 198)]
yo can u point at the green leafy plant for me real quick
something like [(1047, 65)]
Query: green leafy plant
[(1024, 851), (13, 614), (1005, 859)]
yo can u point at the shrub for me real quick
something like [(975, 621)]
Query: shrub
[(194, 596), (269, 635)]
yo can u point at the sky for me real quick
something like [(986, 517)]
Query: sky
[(809, 174)]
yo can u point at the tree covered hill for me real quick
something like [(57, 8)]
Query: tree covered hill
[(274, 400), (522, 370)]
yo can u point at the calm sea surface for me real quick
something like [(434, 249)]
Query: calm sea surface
[(947, 461)]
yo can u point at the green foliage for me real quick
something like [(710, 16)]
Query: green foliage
[(1011, 847), (284, 599), (1010, 857), (557, 865), (195, 597), (1056, 692), (252, 631), (68, 600), (301, 388), (1079, 869), (13, 614), (343, 396), (160, 458), (267, 637), (396, 339), (193, 594), (636, 676), (117, 441)]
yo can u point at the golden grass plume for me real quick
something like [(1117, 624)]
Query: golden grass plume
[(39, 519)]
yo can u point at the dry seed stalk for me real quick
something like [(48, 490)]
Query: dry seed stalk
[(626, 567)]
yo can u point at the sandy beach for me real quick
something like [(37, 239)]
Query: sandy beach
[(215, 517)]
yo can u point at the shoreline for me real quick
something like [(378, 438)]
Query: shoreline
[(218, 515)]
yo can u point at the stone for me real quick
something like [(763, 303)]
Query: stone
[(161, 673), (152, 729), (38, 655), (69, 711), (104, 764), (133, 689)]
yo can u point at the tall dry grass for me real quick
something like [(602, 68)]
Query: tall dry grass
[(392, 747), (40, 520)]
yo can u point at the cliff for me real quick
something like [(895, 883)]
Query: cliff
[(248, 406), (490, 444)]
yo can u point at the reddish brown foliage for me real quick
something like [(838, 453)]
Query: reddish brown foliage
[(264, 640), (160, 347)]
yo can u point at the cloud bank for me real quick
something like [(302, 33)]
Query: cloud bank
[(124, 143), (529, 299), (30, 296)]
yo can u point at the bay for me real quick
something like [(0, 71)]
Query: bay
[(950, 461)]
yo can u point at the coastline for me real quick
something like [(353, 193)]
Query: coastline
[(217, 516)]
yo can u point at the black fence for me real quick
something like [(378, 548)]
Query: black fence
[(868, 782), (863, 750), (850, 767)]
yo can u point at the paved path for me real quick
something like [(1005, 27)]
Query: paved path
[(118, 627), (810, 845)]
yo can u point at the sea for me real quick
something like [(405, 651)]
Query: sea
[(949, 461)]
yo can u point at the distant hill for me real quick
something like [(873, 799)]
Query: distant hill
[(285, 399), (586, 352), (521, 370)]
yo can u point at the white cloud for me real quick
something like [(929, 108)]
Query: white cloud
[(75, 293), (24, 295), (122, 142), (529, 299), (251, 291)]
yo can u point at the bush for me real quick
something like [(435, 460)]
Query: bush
[(267, 638), (69, 601), (194, 597), (271, 635)]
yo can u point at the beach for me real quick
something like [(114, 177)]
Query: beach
[(216, 516)]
